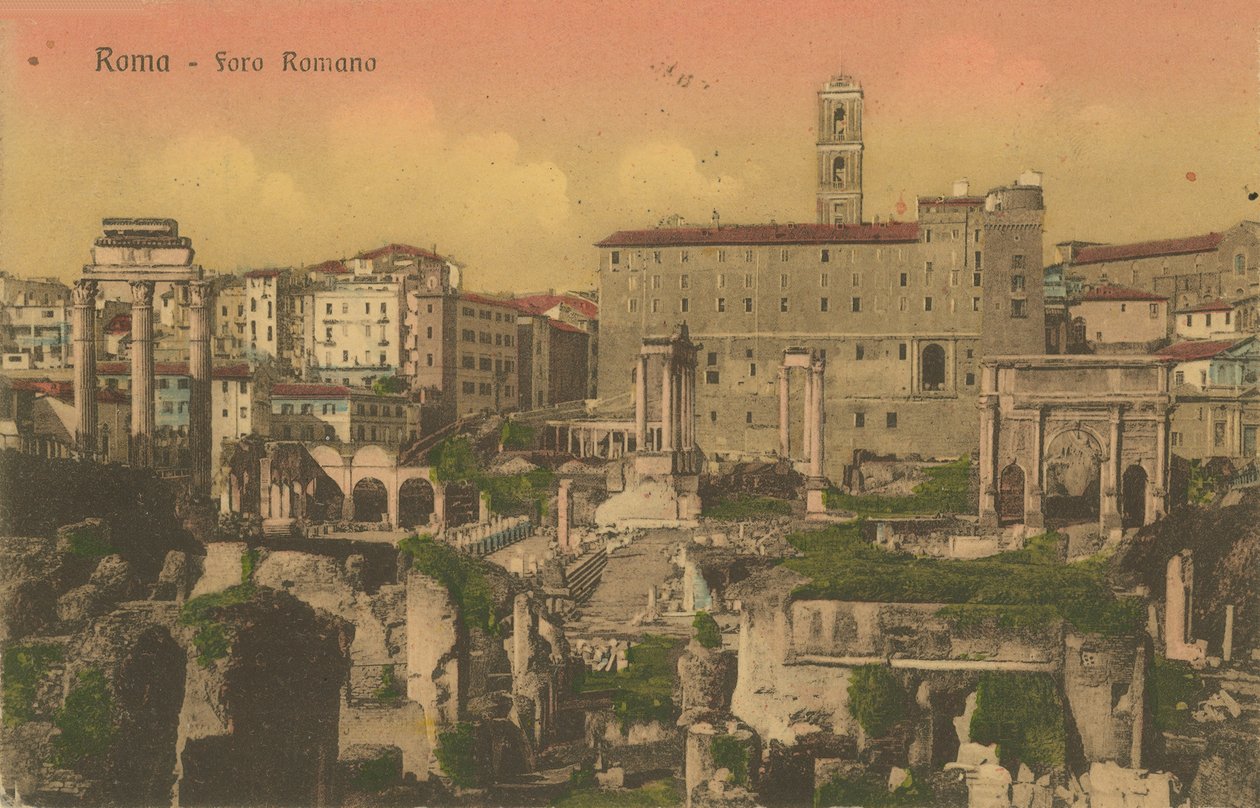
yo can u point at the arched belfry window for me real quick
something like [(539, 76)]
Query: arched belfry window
[(932, 368), (838, 121), (837, 170)]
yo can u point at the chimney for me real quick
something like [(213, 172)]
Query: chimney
[(961, 187)]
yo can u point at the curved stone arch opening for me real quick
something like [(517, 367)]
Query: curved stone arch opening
[(1073, 474), (1012, 483), (371, 500), (417, 500), (932, 367), (1134, 484)]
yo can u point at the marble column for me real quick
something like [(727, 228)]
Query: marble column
[(640, 404), (688, 407), (785, 443), (816, 409), (84, 326), (1159, 486), (1110, 510), (1033, 511), (807, 426), (142, 416), (200, 306), (667, 407)]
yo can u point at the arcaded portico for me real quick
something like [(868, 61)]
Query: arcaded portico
[(812, 424), (1075, 437), (143, 253)]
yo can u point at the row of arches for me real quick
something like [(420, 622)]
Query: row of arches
[(1073, 494)]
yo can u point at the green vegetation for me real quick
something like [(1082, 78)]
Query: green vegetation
[(944, 491), (463, 576), (876, 699), (644, 691), (731, 753), (249, 563), (1201, 485), (25, 666), (457, 755), (390, 688), (1173, 689), (212, 638), (389, 385), (89, 541), (1026, 587), (871, 791), (516, 436), (85, 720), (738, 507), (708, 634), (655, 794), (377, 774), (1023, 714), (454, 460)]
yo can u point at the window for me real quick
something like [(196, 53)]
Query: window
[(783, 281), (783, 304), (927, 267), (927, 304), (1240, 263), (783, 254), (633, 304), (748, 417), (711, 359), (859, 351), (1017, 261), (484, 388), (616, 256), (977, 263), (1176, 438), (1207, 320), (971, 379), (656, 305), (721, 280), (656, 281), (1017, 283), (748, 280), (269, 332), (822, 304), (905, 279), (927, 236), (748, 256), (859, 420), (890, 420), (721, 256), (484, 363), (720, 304), (469, 387), (469, 335), (855, 304), (752, 368), (825, 257), (1019, 308), (901, 351), (975, 304), (857, 279), (253, 304), (975, 279), (1179, 377), (932, 368), (824, 280), (345, 356), (710, 377), (683, 257), (656, 256), (748, 305), (684, 281), (162, 384), (903, 304), (428, 332), (225, 386), (345, 308), (685, 305), (182, 384)]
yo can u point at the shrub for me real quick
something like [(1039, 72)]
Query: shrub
[(85, 720), (212, 638), (731, 753), (944, 491), (1169, 684), (389, 688), (457, 755), (707, 632), (89, 541), (453, 460), (516, 436), (1023, 714), (25, 666), (746, 506), (876, 699), (389, 385)]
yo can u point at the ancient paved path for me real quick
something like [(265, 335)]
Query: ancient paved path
[(622, 592)]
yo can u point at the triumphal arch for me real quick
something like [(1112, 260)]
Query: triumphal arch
[(143, 253), (1074, 438)]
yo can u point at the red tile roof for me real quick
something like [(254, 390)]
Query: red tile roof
[(1110, 292), (64, 390), (560, 325), (236, 370), (537, 304), (765, 234), (1211, 305), (404, 249), (263, 273), (290, 390), (1191, 350), (486, 300), (1147, 249), (333, 267), (119, 324), (967, 201)]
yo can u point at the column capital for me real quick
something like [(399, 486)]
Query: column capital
[(199, 293), (84, 293), (141, 293)]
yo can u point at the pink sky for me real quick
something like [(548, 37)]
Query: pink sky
[(514, 135)]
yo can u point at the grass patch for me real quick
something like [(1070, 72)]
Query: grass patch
[(871, 791), (731, 753), (389, 688), (876, 699), (708, 633), (25, 666), (746, 506), (212, 637), (463, 576), (644, 691), (1023, 714), (1025, 587), (377, 774), (249, 563), (85, 720), (89, 542), (655, 794), (944, 491), (1171, 683)]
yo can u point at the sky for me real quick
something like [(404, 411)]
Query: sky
[(512, 136)]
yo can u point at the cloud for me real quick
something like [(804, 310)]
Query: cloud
[(660, 178)]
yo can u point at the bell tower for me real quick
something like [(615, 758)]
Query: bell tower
[(840, 152)]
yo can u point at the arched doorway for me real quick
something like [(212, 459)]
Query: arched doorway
[(415, 502), (371, 501), (329, 501), (1010, 500), (463, 504), (932, 368), (1073, 474), (1134, 496)]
